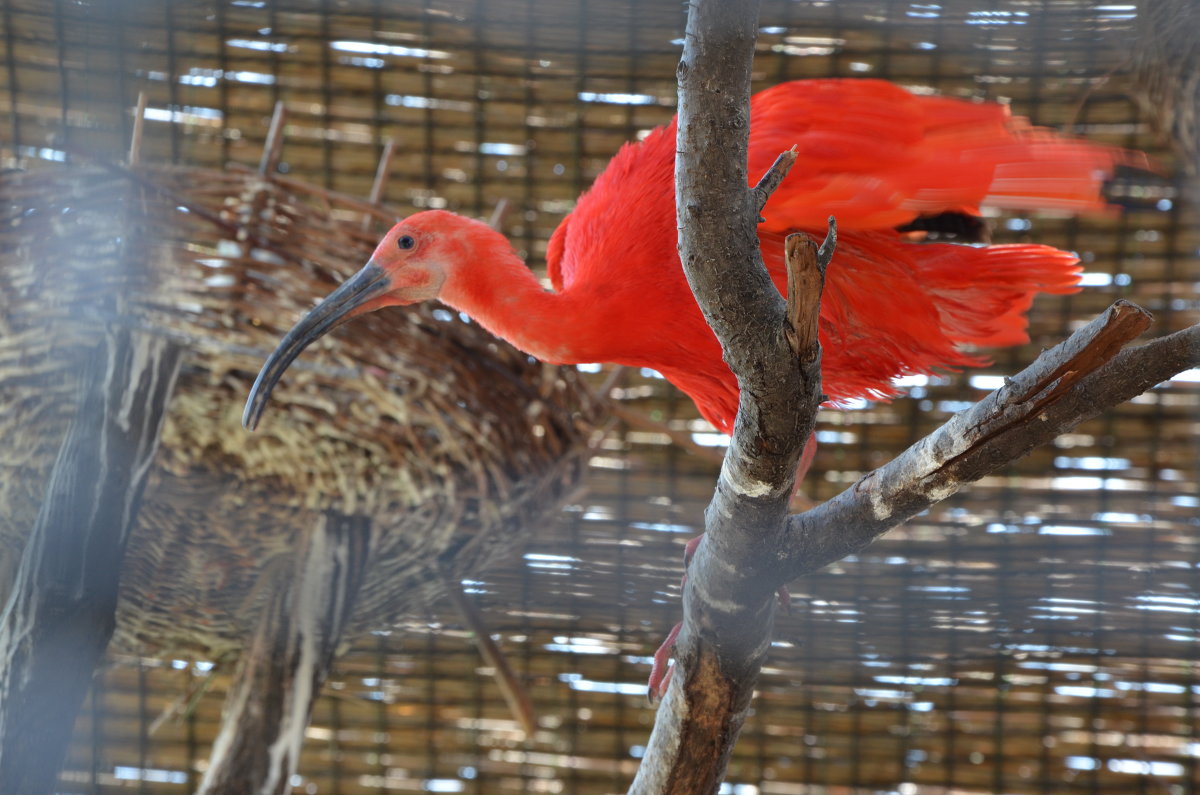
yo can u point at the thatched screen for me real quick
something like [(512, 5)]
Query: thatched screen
[(1039, 633)]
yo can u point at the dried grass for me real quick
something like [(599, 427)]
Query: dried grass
[(455, 444)]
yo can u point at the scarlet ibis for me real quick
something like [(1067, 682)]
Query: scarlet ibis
[(874, 155)]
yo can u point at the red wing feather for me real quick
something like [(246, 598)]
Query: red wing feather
[(876, 156)]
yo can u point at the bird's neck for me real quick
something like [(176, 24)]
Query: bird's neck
[(498, 291)]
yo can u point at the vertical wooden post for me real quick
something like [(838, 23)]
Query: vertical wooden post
[(273, 146), (139, 126), (62, 608), (282, 670), (514, 692), (382, 172)]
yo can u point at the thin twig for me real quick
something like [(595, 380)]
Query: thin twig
[(273, 146), (616, 375), (382, 172), (499, 213), (772, 179), (828, 245), (514, 693), (382, 212), (139, 124)]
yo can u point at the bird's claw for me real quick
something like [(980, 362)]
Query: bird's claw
[(661, 670)]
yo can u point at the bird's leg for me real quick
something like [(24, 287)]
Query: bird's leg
[(689, 552), (662, 667), (661, 670), (806, 458), (800, 501)]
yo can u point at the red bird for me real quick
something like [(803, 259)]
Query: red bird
[(872, 154)]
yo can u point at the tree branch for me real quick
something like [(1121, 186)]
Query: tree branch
[(61, 610), (1071, 383), (751, 547), (727, 610)]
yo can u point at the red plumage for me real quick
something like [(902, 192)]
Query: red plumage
[(876, 157)]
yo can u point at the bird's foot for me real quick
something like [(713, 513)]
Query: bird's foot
[(800, 501), (661, 670), (806, 457)]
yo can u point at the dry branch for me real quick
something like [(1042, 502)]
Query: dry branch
[(515, 695), (288, 659), (62, 607)]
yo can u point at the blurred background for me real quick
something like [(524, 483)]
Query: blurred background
[(1038, 633)]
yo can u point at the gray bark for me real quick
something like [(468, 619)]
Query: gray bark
[(281, 672), (61, 610)]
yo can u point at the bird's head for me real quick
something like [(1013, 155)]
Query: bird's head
[(413, 262)]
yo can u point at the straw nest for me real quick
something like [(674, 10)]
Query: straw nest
[(453, 443)]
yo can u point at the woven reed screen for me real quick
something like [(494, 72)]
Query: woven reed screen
[(1037, 634)]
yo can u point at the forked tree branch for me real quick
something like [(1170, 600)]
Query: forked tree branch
[(1068, 384), (751, 547), (727, 611)]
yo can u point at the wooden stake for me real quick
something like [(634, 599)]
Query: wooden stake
[(139, 123), (806, 266), (514, 693), (382, 172), (274, 142)]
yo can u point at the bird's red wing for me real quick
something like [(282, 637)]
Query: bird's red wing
[(872, 154), (625, 221), (892, 307), (876, 156)]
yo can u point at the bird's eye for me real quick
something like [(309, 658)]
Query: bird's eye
[(405, 241)]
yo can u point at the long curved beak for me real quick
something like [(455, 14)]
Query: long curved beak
[(370, 282)]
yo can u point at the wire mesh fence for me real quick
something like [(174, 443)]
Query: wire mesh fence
[(1036, 634)]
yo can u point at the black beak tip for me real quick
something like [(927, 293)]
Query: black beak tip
[(251, 414), (256, 404)]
